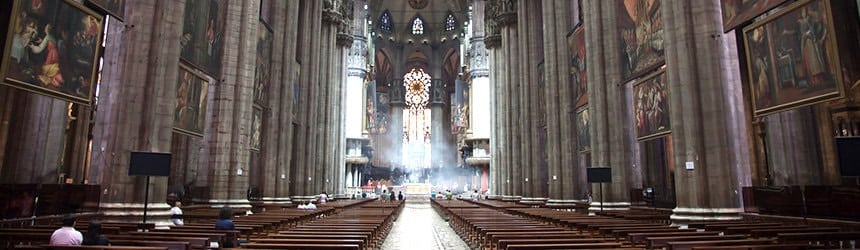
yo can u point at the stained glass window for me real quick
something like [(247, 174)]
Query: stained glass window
[(450, 23), (417, 26), (385, 21), (417, 85)]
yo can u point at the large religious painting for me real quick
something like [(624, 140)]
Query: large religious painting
[(52, 49), (583, 122), (115, 8), (737, 12), (460, 107), (256, 128), (382, 115), (576, 42), (641, 27), (792, 59), (191, 92), (370, 106), (262, 69), (203, 34), (651, 106)]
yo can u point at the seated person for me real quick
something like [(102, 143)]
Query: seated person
[(67, 235), (225, 223), (94, 235)]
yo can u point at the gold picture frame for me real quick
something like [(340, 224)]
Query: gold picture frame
[(35, 61), (792, 60)]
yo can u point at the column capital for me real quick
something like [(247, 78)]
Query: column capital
[(493, 38), (506, 11)]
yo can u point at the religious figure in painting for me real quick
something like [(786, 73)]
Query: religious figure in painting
[(813, 35), (641, 34)]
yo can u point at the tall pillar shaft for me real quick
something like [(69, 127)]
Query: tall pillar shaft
[(792, 146), (705, 87), (611, 146), (136, 103)]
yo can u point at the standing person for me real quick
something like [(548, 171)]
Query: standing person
[(176, 214), (391, 196), (67, 235), (400, 195), (94, 235), (225, 223), (323, 198)]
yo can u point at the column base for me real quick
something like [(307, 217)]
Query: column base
[(303, 199), (511, 198), (494, 197), (568, 205), (233, 203), (596, 206), (533, 201), (683, 216), (157, 213)]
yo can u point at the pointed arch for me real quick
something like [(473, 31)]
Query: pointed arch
[(417, 25), (450, 22)]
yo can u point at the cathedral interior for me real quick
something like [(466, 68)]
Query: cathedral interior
[(675, 112)]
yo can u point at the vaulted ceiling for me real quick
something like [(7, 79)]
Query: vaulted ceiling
[(432, 12)]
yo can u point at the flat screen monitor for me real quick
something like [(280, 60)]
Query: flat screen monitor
[(848, 149), (149, 164)]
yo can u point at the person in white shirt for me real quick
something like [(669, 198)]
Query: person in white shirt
[(176, 214), (67, 235), (323, 198), (311, 206)]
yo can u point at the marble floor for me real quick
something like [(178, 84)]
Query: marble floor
[(420, 227)]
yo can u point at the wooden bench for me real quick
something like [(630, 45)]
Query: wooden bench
[(663, 241), (689, 245), (254, 245), (612, 245)]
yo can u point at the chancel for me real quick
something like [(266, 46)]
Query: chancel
[(431, 124)]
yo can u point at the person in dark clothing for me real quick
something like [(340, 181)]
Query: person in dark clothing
[(391, 196), (225, 223), (400, 195), (94, 235)]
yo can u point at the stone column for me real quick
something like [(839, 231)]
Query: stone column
[(499, 152), (437, 124), (705, 86), (506, 19), (792, 148), (610, 134), (226, 154), (36, 139), (564, 171), (311, 14), (136, 103), (531, 44), (344, 43)]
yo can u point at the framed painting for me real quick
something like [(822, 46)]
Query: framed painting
[(583, 138), (651, 106), (579, 85), (641, 38), (192, 89), (382, 116), (256, 128), (262, 66), (737, 12), (792, 58), (370, 106), (202, 38), (460, 107), (52, 48), (115, 8)]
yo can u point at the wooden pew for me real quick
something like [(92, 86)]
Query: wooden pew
[(689, 245), (612, 245), (254, 245), (663, 241)]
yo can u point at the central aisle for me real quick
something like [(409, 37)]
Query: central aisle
[(419, 227)]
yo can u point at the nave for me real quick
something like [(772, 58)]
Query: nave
[(450, 224)]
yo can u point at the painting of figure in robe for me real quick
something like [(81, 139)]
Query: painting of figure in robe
[(737, 12), (792, 59), (651, 106), (641, 27), (583, 138), (578, 78), (256, 128), (262, 67), (52, 49), (190, 111), (370, 106), (460, 107), (203, 35)]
